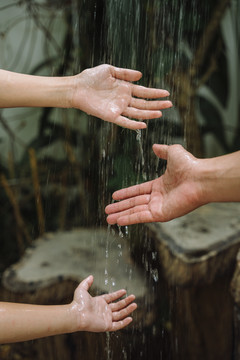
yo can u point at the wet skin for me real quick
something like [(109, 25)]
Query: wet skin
[(187, 183)]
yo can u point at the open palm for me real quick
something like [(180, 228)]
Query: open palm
[(173, 194), (107, 92), (107, 312)]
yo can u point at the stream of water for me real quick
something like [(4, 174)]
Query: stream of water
[(160, 39), (148, 36)]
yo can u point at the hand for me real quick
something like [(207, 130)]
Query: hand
[(101, 313), (174, 194), (106, 92)]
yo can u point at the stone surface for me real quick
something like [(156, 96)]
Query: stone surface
[(73, 255), (210, 228), (48, 273), (198, 246)]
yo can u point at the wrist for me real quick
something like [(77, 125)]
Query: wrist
[(198, 185), (76, 317), (60, 92), (66, 91), (206, 178), (61, 320), (219, 178), (78, 94)]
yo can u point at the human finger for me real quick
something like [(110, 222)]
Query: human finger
[(149, 93), (141, 114), (129, 124), (150, 105), (126, 204), (122, 314), (138, 217), (135, 190), (114, 295), (121, 304), (125, 74), (117, 325), (86, 283), (161, 151), (115, 218)]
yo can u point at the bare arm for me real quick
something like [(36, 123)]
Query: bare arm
[(220, 178), (21, 322), (187, 183), (21, 90), (104, 91), (108, 312)]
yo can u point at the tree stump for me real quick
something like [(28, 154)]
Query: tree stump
[(235, 290), (196, 255), (49, 272)]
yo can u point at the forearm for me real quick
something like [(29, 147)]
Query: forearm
[(22, 322), (220, 178), (20, 90)]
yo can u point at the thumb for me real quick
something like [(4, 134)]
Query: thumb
[(161, 151), (87, 283)]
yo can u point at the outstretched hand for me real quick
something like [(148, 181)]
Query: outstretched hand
[(101, 313), (107, 92), (175, 193)]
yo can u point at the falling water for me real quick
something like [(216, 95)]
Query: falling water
[(159, 38), (128, 46), (148, 36)]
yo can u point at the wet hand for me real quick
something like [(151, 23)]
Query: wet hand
[(107, 92), (107, 312), (173, 194)]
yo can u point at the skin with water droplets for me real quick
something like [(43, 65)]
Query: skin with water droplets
[(105, 91), (108, 312), (187, 184)]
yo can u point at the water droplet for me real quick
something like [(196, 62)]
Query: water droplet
[(120, 233), (154, 273), (154, 255)]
